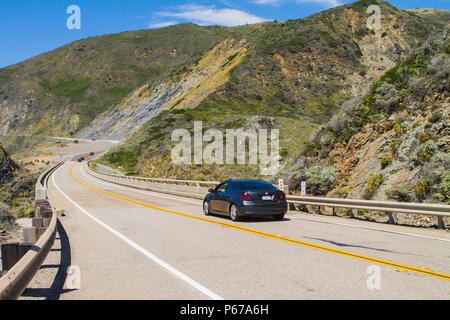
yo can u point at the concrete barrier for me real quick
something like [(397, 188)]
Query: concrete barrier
[(31, 255), (15, 281)]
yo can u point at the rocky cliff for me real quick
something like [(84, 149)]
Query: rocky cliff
[(393, 143), (292, 76)]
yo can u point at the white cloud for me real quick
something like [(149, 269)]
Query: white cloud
[(326, 3), (156, 25), (209, 15), (273, 2)]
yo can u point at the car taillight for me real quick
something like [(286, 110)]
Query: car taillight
[(245, 197), (283, 196)]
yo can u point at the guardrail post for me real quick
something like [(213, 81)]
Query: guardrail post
[(351, 213), (392, 218), (9, 255), (334, 211), (441, 223)]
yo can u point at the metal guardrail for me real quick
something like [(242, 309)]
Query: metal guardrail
[(41, 189), (15, 281), (439, 210), (174, 181), (387, 206)]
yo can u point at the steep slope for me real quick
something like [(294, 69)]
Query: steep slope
[(16, 194), (294, 76), (392, 143), (186, 90), (62, 91), (7, 167)]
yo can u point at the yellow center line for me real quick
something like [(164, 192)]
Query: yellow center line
[(401, 267)]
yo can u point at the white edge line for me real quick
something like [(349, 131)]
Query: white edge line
[(145, 252)]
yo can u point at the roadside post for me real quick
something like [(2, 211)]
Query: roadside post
[(281, 184)]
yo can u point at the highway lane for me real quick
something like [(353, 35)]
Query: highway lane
[(230, 263)]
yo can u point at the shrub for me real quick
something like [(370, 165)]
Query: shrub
[(387, 97), (440, 68), (398, 129), (444, 185), (372, 184), (385, 161), (341, 193), (394, 146), (400, 192), (321, 180), (425, 136), (311, 148), (422, 188), (24, 211), (423, 153)]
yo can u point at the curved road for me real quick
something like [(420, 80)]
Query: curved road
[(134, 244)]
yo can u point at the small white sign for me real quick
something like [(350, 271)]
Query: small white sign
[(281, 184), (303, 187)]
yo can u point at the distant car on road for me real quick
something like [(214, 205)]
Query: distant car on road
[(92, 153), (81, 159), (245, 198)]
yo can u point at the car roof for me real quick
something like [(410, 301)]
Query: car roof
[(247, 180)]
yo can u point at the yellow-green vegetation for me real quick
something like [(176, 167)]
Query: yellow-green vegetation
[(385, 161), (372, 185), (365, 214), (422, 188)]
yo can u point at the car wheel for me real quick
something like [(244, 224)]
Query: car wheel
[(206, 208), (234, 213), (279, 216)]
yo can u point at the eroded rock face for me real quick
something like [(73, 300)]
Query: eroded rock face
[(7, 166), (145, 103)]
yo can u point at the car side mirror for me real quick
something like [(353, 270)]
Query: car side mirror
[(211, 190)]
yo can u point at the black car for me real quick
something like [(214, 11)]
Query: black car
[(245, 198)]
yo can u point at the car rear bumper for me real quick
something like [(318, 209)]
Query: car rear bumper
[(262, 210)]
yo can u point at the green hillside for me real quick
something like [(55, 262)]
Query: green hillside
[(62, 91), (294, 77)]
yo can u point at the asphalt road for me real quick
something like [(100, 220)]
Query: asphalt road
[(134, 244)]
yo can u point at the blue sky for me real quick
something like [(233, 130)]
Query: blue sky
[(32, 27)]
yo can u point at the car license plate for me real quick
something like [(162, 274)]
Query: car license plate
[(267, 197)]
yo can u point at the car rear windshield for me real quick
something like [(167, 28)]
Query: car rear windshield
[(254, 185)]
